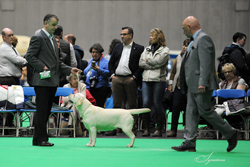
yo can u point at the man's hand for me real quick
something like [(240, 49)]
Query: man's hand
[(201, 89), (113, 76), (75, 70)]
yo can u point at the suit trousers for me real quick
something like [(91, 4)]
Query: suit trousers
[(44, 101), (198, 104), (124, 90)]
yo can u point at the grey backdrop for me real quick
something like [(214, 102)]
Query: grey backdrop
[(101, 21)]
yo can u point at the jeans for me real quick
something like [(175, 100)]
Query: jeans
[(153, 92)]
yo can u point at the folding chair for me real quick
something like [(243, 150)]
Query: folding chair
[(28, 113), (3, 114), (237, 94), (62, 91)]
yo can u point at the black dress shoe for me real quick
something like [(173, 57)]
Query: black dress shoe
[(184, 147), (46, 144), (35, 144), (233, 141)]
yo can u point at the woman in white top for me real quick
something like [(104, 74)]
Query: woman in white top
[(154, 60)]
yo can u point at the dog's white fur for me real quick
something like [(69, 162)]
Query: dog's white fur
[(100, 119)]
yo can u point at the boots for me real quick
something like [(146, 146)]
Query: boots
[(146, 133), (157, 133), (146, 119), (172, 134), (159, 127)]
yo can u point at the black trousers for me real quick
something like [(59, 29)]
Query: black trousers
[(100, 95), (44, 101), (179, 104)]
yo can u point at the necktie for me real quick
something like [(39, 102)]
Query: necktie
[(14, 50)]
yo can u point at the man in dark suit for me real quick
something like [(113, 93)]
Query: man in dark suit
[(125, 72), (43, 55), (198, 80)]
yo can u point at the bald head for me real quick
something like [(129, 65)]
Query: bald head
[(70, 38), (7, 35), (190, 26)]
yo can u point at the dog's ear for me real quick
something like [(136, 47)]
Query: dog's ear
[(80, 101)]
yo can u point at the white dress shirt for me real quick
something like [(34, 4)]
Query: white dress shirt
[(123, 66), (10, 61), (73, 61), (50, 38)]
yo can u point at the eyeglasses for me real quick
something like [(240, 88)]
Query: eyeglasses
[(227, 72), (124, 34), (10, 35), (94, 52)]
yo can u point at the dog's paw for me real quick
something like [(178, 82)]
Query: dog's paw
[(90, 145), (129, 145)]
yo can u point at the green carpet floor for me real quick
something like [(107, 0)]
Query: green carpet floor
[(112, 152)]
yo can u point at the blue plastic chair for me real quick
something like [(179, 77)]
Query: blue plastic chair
[(231, 93), (29, 113), (3, 114), (236, 94)]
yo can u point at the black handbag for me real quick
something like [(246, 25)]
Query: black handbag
[(168, 95)]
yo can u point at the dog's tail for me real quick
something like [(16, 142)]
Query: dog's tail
[(139, 111)]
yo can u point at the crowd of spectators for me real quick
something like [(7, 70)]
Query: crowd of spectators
[(127, 67)]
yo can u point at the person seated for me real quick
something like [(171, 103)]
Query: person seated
[(78, 87), (232, 81)]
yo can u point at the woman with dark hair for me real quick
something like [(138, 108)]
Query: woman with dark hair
[(97, 75), (179, 101), (111, 47), (154, 61)]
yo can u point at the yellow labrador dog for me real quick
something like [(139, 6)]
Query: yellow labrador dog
[(100, 119)]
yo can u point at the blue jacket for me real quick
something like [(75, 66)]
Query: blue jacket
[(102, 74)]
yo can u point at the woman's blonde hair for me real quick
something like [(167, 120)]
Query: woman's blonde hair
[(159, 35), (229, 66)]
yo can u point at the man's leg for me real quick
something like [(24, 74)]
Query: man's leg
[(131, 90), (192, 121), (118, 91), (203, 103), (44, 100)]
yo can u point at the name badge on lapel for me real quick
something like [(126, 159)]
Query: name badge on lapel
[(45, 74)]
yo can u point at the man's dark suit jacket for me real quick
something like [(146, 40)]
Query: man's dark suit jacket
[(40, 54), (134, 58)]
